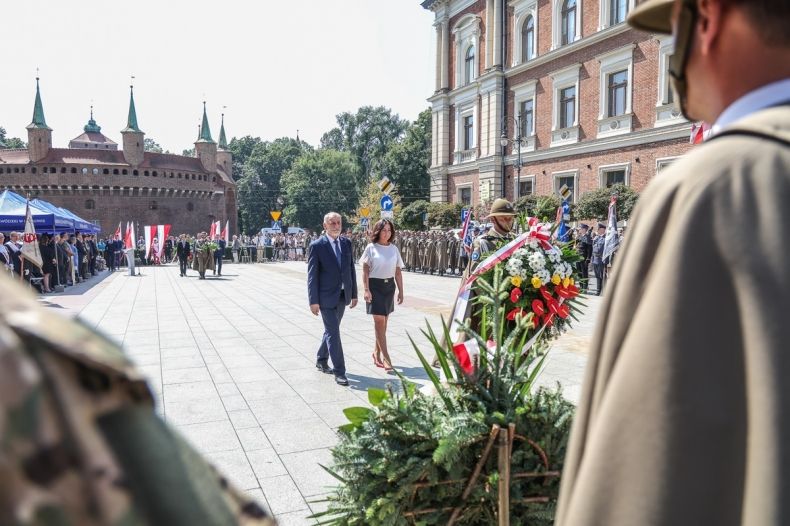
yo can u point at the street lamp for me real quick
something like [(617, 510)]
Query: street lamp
[(519, 141)]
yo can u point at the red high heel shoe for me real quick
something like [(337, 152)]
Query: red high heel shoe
[(376, 361)]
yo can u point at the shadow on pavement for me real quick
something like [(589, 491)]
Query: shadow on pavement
[(363, 383), (81, 288)]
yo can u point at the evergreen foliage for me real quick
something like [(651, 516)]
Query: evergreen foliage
[(408, 459)]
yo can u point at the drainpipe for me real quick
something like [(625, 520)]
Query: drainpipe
[(503, 54)]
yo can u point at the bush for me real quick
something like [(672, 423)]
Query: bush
[(595, 204), (544, 207), (411, 216), (444, 215)]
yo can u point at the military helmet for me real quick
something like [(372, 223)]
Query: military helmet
[(501, 207)]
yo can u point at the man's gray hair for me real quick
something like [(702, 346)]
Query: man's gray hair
[(329, 215)]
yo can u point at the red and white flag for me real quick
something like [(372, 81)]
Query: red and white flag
[(30, 249), (465, 353), (117, 232), (226, 232), (218, 230), (700, 131), (148, 232), (128, 240), (163, 231), (212, 230)]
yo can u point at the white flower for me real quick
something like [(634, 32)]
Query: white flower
[(533, 245), (537, 261), (544, 276)]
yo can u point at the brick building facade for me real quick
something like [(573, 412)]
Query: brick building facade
[(107, 186), (587, 98)]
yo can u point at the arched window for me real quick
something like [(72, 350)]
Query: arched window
[(84, 171), (115, 171), (90, 204), (106, 171), (95, 171), (469, 65), (568, 22), (528, 39)]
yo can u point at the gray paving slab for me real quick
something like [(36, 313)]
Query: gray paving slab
[(231, 363)]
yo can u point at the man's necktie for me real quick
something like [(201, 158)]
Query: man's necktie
[(337, 251)]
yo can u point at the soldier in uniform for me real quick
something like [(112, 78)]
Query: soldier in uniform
[(441, 253), (203, 259), (584, 248), (82, 444), (501, 216), (597, 257), (452, 252), (684, 416)]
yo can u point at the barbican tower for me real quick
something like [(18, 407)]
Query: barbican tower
[(133, 136), (224, 157), (205, 147), (39, 135)]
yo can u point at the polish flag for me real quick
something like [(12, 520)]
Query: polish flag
[(148, 232), (699, 132), (226, 232), (465, 353), (218, 230), (118, 232), (163, 231), (128, 240)]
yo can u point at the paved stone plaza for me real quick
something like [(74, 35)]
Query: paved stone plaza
[(231, 360)]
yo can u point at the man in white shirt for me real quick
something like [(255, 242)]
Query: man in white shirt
[(684, 417)]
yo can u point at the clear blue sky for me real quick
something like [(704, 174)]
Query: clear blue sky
[(276, 65)]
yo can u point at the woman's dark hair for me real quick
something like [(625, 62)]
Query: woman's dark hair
[(378, 227)]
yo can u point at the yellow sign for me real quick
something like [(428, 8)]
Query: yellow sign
[(276, 215), (565, 192), (364, 212), (386, 185)]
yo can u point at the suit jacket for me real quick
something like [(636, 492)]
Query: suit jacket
[(325, 277), (13, 251), (182, 249), (684, 415)]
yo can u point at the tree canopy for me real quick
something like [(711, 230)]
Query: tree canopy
[(10, 142), (407, 162), (595, 204), (150, 145)]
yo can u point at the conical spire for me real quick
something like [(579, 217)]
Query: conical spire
[(223, 142), (205, 131), (131, 123), (38, 112), (92, 127)]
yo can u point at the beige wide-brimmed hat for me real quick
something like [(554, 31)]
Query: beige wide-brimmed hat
[(654, 16), (501, 208)]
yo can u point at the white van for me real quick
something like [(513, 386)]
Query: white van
[(291, 230)]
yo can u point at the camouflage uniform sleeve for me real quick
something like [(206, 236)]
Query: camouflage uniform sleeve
[(81, 443)]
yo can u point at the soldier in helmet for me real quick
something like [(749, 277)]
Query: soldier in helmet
[(501, 217)]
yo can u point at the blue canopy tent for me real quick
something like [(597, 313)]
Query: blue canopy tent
[(80, 225), (12, 215)]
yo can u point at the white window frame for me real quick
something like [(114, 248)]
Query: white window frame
[(605, 13), (560, 80), (603, 170), (555, 176), (462, 186), (517, 181), (556, 17), (467, 33), (662, 163), (521, 93), (521, 10), (612, 62), (465, 109), (667, 113)]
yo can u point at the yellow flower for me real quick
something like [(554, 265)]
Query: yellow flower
[(566, 282), (572, 283), (516, 281), (536, 282), (556, 279)]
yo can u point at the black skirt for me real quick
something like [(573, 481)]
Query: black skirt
[(383, 292)]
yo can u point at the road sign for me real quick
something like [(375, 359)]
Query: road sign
[(464, 213), (387, 203), (364, 212), (363, 222), (565, 192), (275, 214), (386, 214), (277, 226), (386, 185)]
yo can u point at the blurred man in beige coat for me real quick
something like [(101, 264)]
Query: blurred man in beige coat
[(684, 416)]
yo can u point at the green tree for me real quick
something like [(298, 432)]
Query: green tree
[(371, 199), (10, 142), (407, 162), (259, 185), (367, 135), (595, 204), (241, 149), (150, 145), (190, 152), (319, 182), (411, 216), (444, 215)]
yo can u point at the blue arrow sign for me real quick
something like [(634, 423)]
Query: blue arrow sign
[(386, 203)]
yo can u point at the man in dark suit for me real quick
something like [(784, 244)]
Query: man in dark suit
[(331, 285), (219, 254), (182, 251)]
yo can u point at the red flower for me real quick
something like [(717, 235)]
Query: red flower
[(546, 294), (549, 320), (554, 306), (563, 311), (515, 294), (538, 308), (515, 312), (568, 292)]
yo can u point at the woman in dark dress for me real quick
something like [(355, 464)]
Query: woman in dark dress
[(48, 259), (381, 271)]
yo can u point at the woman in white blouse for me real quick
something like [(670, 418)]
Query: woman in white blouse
[(381, 271)]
